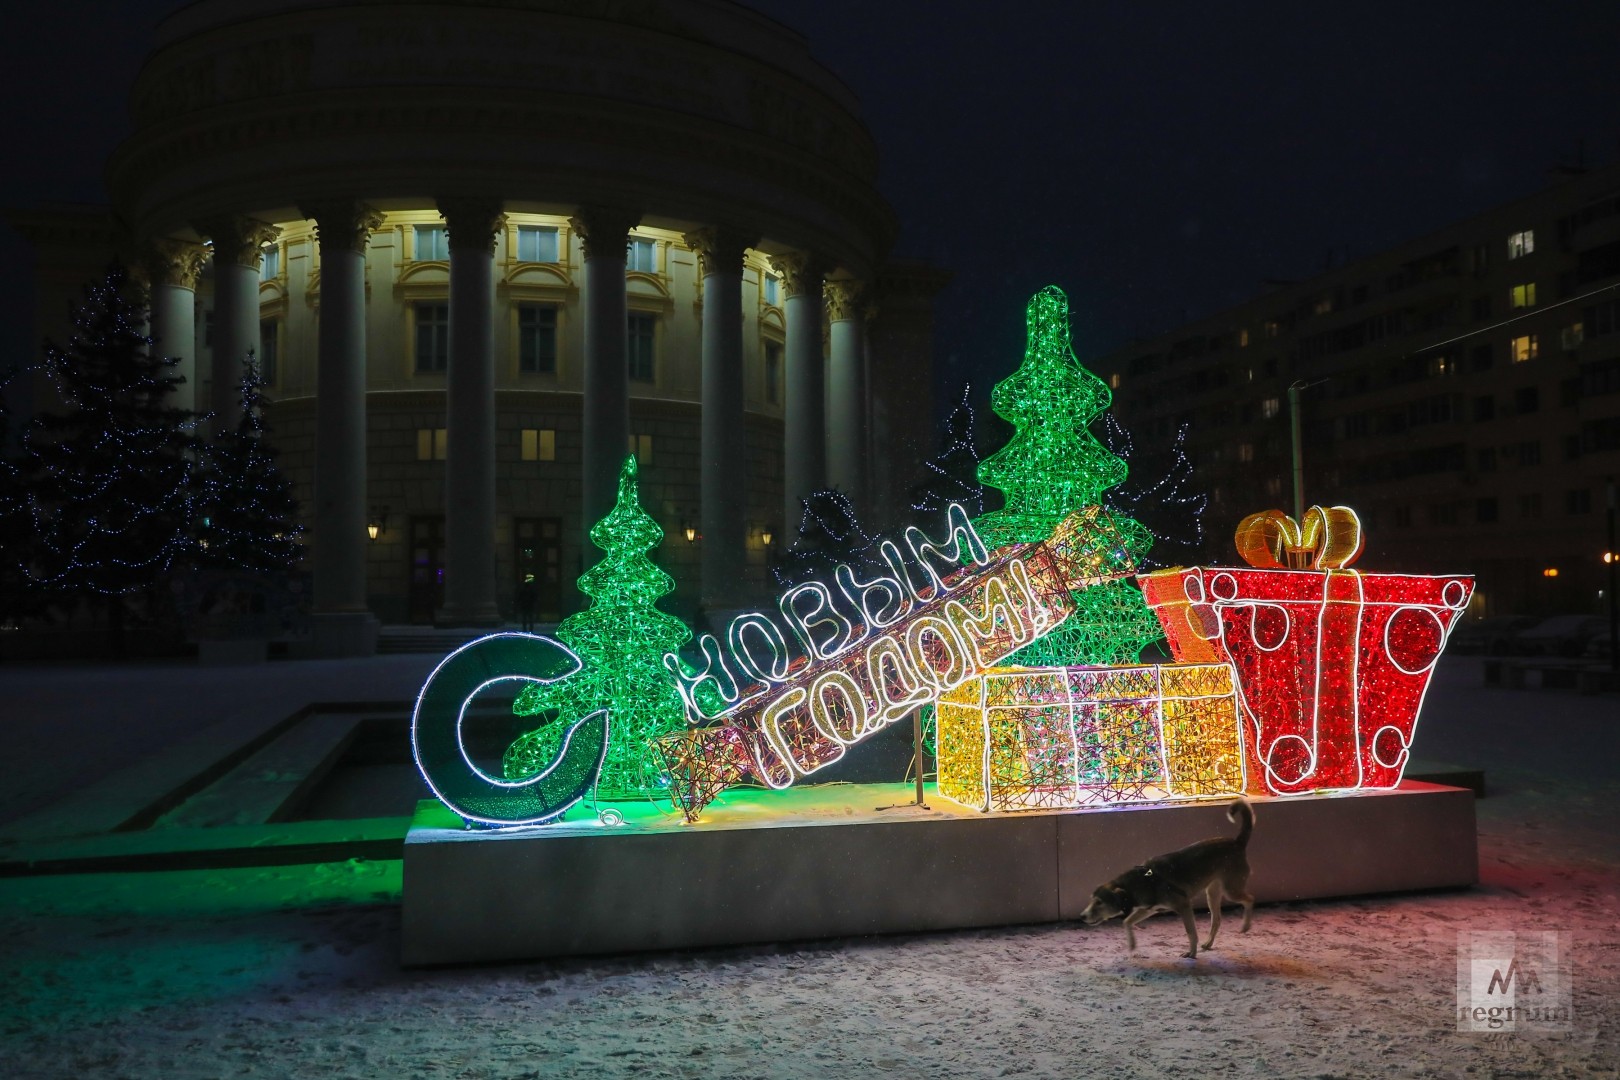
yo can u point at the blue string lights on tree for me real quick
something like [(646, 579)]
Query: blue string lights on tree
[(245, 506), (1167, 504), (17, 598), (829, 533), (111, 479), (952, 475)]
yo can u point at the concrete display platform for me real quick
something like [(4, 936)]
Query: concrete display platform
[(824, 861)]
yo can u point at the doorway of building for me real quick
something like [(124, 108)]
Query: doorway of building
[(539, 552), (427, 567)]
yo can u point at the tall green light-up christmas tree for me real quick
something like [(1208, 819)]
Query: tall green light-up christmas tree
[(1053, 466), (621, 640)]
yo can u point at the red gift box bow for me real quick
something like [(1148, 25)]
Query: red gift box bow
[(1328, 539)]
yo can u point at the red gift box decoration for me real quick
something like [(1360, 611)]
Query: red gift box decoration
[(1331, 663)]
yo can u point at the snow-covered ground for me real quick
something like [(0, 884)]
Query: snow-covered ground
[(293, 971)]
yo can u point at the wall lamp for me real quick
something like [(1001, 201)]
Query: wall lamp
[(378, 523)]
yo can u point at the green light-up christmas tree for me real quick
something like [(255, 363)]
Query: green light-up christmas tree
[(621, 640), (1053, 466)]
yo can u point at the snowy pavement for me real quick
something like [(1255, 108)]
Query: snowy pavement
[(292, 971)]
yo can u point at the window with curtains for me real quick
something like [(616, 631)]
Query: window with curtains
[(432, 336), (640, 344), (537, 339)]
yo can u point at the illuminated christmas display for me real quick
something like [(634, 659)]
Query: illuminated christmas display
[(112, 479), (1053, 466), (247, 517), (441, 752), (1049, 738), (620, 639), (1331, 663), (898, 643)]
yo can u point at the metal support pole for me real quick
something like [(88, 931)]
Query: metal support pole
[(916, 714), (1299, 461)]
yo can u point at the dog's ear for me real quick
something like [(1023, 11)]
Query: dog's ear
[(1122, 901)]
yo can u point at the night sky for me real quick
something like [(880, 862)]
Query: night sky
[(1158, 162)]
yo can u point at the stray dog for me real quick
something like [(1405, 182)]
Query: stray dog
[(1169, 883)]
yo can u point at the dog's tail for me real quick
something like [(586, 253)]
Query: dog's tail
[(1241, 810)]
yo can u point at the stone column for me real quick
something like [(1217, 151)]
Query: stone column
[(238, 248), (846, 392), (603, 232), (172, 267), (723, 454), (804, 440), (469, 465), (343, 626)]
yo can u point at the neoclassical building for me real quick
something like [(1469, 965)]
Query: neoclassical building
[(485, 250)]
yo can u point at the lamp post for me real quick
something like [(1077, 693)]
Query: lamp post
[(1614, 601)]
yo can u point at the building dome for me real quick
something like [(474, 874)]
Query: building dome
[(687, 110), (482, 250)]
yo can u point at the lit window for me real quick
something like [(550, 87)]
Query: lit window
[(641, 256), (431, 243), (773, 290), (1113, 381), (1273, 486), (641, 447), (536, 244), (539, 444), (1246, 451), (537, 339), (1573, 335), (1271, 328), (1243, 338), (773, 372), (270, 265), (1522, 296), (1523, 348), (432, 336), (642, 335), (1324, 306), (1270, 407), (430, 444), (1521, 243), (269, 350)]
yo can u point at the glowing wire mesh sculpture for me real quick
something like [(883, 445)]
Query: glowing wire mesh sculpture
[(1051, 738), (1332, 664), (437, 738), (1053, 466), (893, 644), (620, 639)]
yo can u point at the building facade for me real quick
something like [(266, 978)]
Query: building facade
[(484, 251), (1461, 392)]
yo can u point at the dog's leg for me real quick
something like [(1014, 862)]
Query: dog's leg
[(1213, 895), (1237, 887), (1130, 925), (1186, 914)]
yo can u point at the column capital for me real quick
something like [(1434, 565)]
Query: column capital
[(169, 261), (801, 274), (238, 239), (846, 300), (603, 230), (345, 223), (720, 248), (472, 222)]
